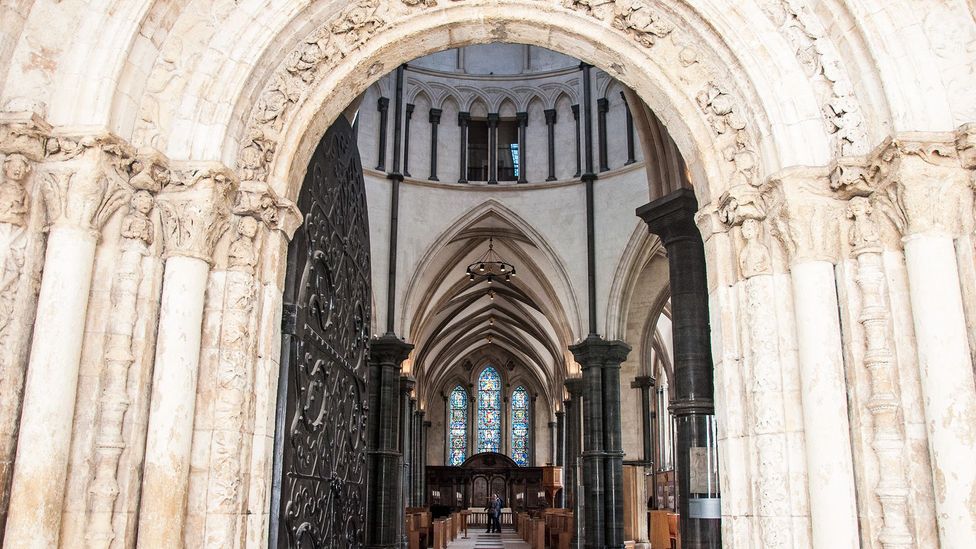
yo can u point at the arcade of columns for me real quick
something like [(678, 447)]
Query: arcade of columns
[(892, 231)]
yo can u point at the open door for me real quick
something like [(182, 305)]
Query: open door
[(319, 482)]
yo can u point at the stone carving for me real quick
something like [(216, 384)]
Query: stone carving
[(723, 114), (24, 135), (888, 440), (966, 145), (80, 200), (242, 255), (259, 201), (137, 235), (816, 53), (195, 209), (640, 21), (13, 194), (921, 185), (149, 173), (754, 257)]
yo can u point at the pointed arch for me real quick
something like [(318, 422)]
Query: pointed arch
[(489, 410)]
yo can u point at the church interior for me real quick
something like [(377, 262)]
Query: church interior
[(524, 274)]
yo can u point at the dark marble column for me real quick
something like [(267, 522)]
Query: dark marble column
[(407, 403), (523, 120), (553, 441), (631, 157), (602, 454), (382, 105), (435, 120), (463, 120), (419, 458), (644, 383), (408, 115), (423, 470), (551, 140), (492, 148), (672, 218), (383, 437), (576, 119), (558, 457), (602, 107), (573, 405)]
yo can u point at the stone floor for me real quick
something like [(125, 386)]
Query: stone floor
[(508, 539)]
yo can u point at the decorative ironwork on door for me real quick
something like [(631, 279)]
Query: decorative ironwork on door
[(319, 492)]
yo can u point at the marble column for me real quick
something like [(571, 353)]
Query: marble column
[(557, 457), (407, 115), (382, 105), (435, 120), (407, 402), (932, 201), (463, 120), (386, 354), (645, 383), (602, 455), (492, 148), (573, 406), (80, 192), (602, 108), (195, 213), (631, 157), (671, 217), (576, 121), (807, 224), (523, 121), (550, 115), (423, 468)]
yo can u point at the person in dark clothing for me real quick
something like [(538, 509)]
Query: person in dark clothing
[(495, 515)]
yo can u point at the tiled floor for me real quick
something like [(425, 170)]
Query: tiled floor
[(508, 539)]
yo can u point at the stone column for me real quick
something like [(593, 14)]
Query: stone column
[(382, 105), (423, 477), (929, 197), (645, 383), (573, 405), (576, 120), (386, 354), (195, 211), (408, 115), (492, 148), (551, 142), (407, 384), (631, 157), (807, 224), (22, 141), (418, 458), (435, 120), (602, 108), (523, 120), (83, 188), (463, 120), (138, 233), (672, 218), (602, 451), (553, 442), (558, 458)]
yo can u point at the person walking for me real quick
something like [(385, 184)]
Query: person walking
[(495, 515)]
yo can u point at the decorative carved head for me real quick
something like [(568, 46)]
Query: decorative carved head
[(142, 202), (247, 227), (966, 145), (16, 168)]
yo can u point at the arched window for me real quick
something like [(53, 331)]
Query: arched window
[(489, 411), (520, 426), (458, 421)]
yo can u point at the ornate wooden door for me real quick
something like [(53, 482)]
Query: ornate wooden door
[(319, 491)]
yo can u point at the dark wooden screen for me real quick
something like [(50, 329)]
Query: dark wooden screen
[(319, 490)]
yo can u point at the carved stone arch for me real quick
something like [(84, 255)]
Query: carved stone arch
[(603, 83), (499, 96), (419, 88), (641, 249), (472, 95), (441, 93)]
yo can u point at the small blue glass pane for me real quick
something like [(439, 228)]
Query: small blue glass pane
[(520, 426), (458, 421)]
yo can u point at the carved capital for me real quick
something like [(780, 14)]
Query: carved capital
[(851, 176), (739, 203), (150, 171), (922, 185), (966, 145), (574, 385), (596, 352), (388, 350), (259, 201), (863, 235), (195, 210), (804, 216), (85, 179)]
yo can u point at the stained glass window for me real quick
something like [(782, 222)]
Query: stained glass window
[(458, 421), (489, 411), (520, 426)]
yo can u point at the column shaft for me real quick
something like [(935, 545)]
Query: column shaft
[(602, 107), (463, 119), (631, 157), (492, 148), (408, 115), (523, 121), (435, 120), (672, 219), (946, 372), (551, 142), (830, 469), (37, 488), (576, 120), (170, 430), (382, 105)]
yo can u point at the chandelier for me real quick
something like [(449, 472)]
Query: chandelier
[(490, 266)]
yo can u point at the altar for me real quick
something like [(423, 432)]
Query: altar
[(471, 484)]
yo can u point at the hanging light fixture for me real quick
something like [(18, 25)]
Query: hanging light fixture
[(490, 267)]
